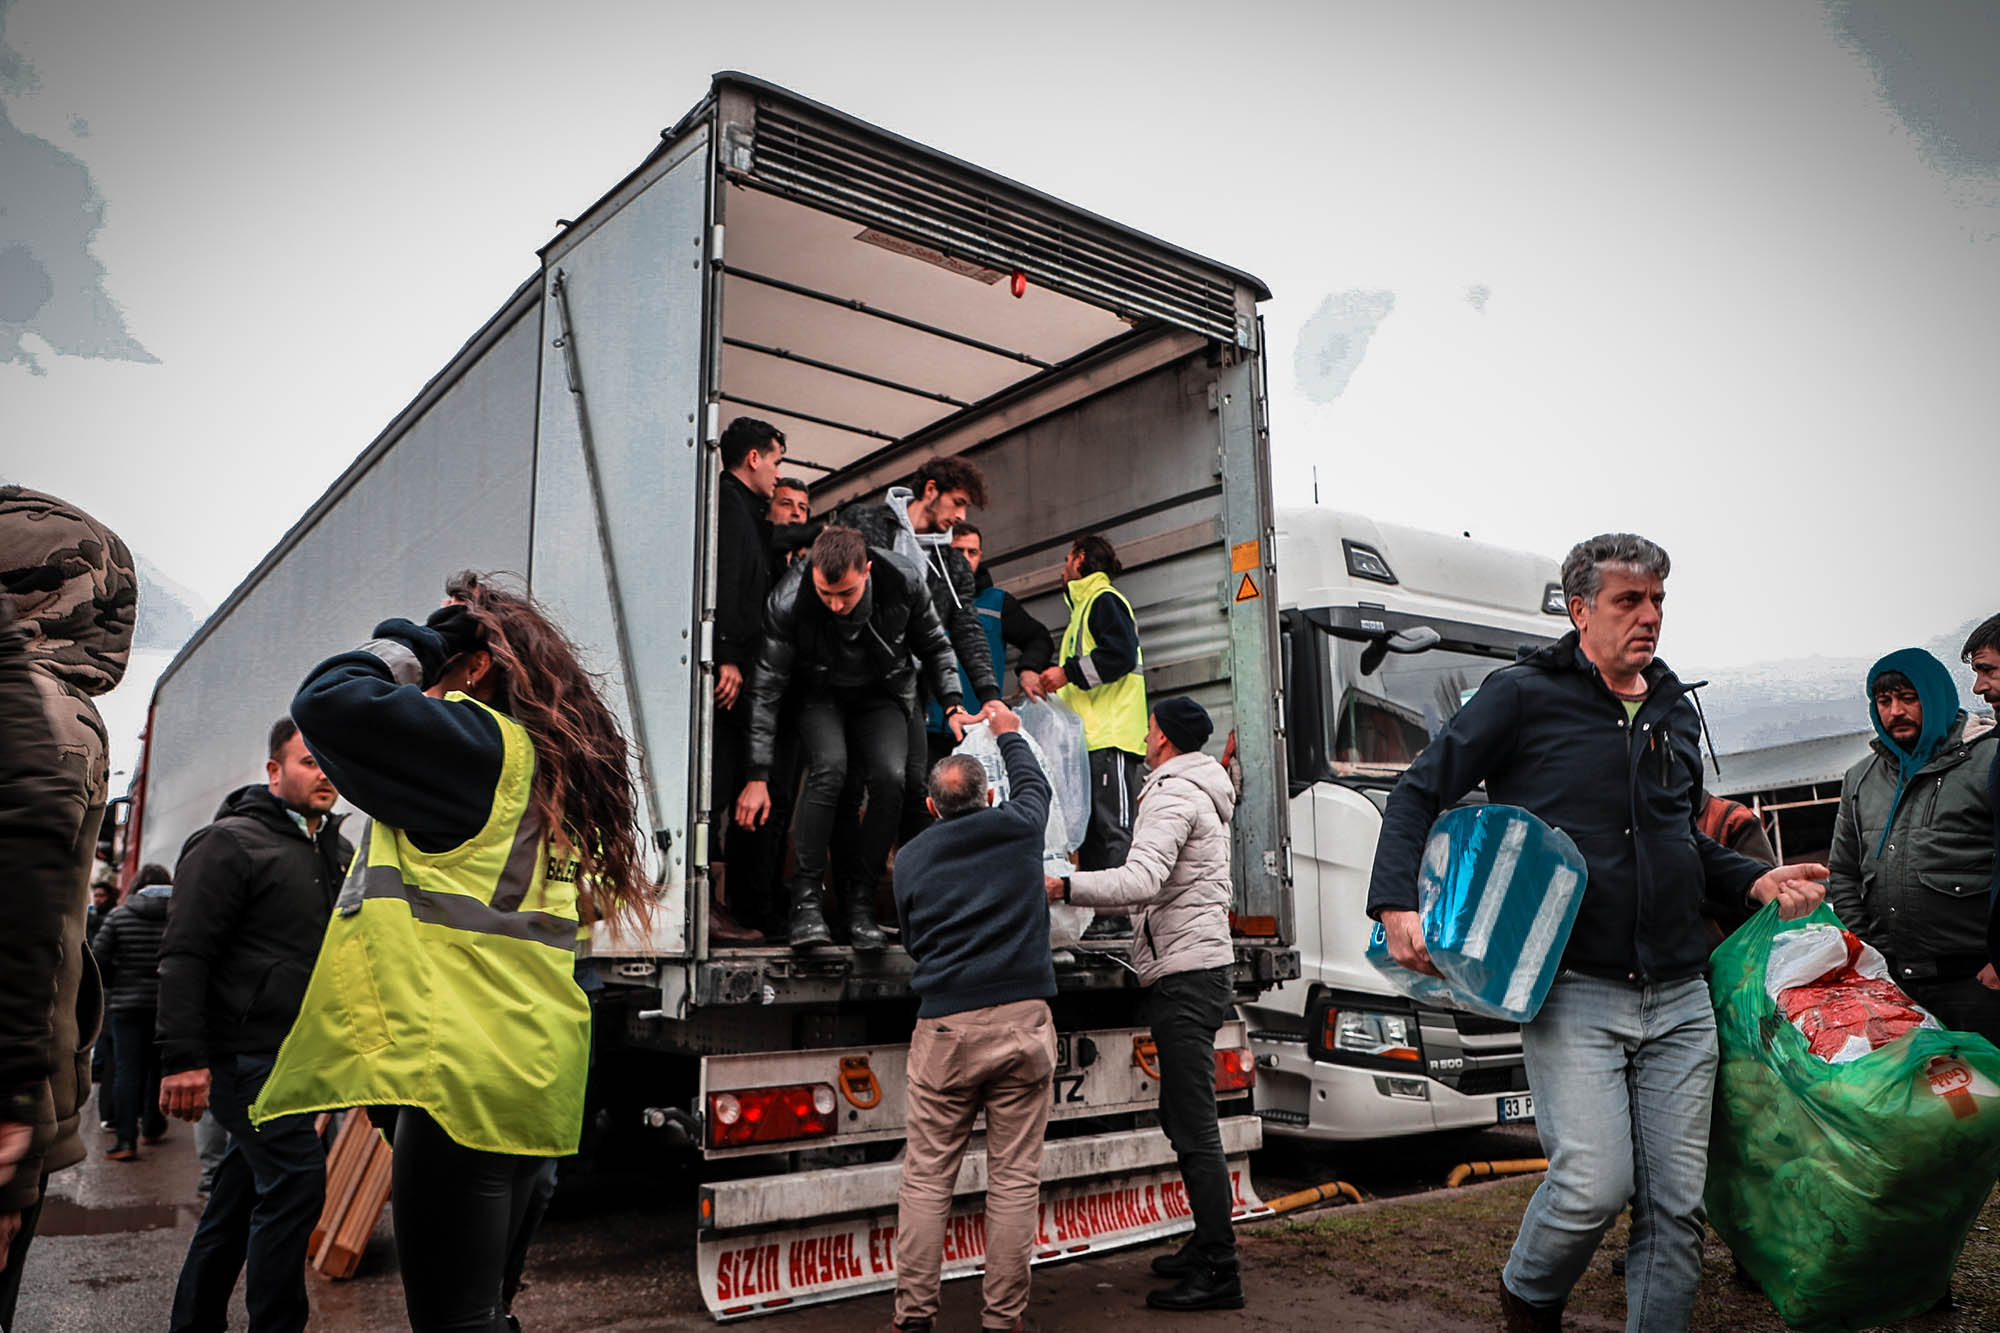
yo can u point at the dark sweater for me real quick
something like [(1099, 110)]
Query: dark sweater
[(969, 896)]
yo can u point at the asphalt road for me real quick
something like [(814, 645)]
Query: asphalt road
[(615, 1253)]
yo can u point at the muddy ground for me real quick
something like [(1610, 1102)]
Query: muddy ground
[(615, 1255)]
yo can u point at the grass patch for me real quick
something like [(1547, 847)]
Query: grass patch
[(1447, 1253)]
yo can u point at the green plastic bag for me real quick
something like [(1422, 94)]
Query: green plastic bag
[(1846, 1190)]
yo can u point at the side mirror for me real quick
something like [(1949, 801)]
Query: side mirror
[(1416, 639)]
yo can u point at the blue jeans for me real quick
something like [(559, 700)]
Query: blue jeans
[(268, 1193), (1623, 1076)]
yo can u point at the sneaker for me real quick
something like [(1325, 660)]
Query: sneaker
[(122, 1151), (108, 1126), (1108, 928)]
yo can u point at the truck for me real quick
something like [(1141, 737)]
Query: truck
[(1386, 631), (882, 303)]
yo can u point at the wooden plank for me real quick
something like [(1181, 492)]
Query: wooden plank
[(344, 1165), (363, 1212)]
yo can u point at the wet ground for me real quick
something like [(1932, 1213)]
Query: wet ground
[(617, 1253)]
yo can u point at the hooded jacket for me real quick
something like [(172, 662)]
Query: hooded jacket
[(1548, 735), (946, 573), (883, 640), (127, 950), (252, 896), (1175, 880), (1912, 855), (67, 582)]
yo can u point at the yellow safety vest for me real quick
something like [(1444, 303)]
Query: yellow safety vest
[(1114, 715), (446, 982)]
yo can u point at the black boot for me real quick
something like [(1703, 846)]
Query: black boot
[(1179, 1263), (862, 932), (1522, 1317), (1204, 1287), (808, 926)]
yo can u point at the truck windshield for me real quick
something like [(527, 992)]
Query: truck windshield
[(1381, 721)]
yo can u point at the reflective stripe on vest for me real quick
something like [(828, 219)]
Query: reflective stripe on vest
[(1113, 714), (446, 982), (987, 604)]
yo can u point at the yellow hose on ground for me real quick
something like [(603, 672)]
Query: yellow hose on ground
[(1333, 1189), (1465, 1171)]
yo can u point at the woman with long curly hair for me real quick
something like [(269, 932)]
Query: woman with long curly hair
[(502, 817)]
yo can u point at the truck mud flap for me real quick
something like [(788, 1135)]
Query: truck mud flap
[(753, 1270)]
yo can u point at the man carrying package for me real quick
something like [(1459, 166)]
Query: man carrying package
[(1596, 736)]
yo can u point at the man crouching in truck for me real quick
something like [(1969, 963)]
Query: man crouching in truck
[(1596, 736), (968, 896), (848, 627)]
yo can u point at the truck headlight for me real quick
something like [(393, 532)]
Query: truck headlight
[(1373, 1035)]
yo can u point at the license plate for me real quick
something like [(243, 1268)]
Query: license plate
[(1519, 1106), (1062, 1053)]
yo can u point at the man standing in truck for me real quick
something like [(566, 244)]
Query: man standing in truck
[(1006, 624), (1596, 736), (916, 522), (847, 626), (1100, 675), (751, 452)]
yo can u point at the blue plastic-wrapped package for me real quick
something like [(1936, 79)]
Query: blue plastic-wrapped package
[(1498, 893)]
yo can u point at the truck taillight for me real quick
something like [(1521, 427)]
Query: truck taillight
[(770, 1115), (1235, 1070)]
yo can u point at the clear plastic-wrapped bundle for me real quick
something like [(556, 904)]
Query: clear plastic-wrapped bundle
[(1845, 1185), (1498, 893), (1058, 732), (1066, 922)]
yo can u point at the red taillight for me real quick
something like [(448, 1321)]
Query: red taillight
[(1235, 1070), (770, 1115)]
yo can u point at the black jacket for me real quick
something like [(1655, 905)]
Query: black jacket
[(252, 896), (803, 645), (949, 577), (127, 950), (742, 571), (40, 803), (970, 900), (1547, 734)]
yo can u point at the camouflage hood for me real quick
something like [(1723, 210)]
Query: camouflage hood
[(70, 583)]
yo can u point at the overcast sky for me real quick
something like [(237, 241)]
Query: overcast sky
[(1723, 273)]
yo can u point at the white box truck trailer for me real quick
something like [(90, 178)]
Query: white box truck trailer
[(883, 304), (1341, 1056)]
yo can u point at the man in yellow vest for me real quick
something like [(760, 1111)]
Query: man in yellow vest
[(1100, 675)]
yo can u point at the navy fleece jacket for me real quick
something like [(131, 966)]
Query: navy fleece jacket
[(969, 896)]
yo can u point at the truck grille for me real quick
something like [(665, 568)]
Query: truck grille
[(1488, 1082), (1478, 1025), (830, 166)]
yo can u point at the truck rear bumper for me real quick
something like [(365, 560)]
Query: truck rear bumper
[(775, 1242)]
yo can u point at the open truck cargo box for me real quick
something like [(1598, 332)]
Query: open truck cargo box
[(883, 304)]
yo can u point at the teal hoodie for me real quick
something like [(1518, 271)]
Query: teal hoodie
[(1938, 694)]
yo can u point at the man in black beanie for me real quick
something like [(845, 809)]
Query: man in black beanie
[(1175, 882)]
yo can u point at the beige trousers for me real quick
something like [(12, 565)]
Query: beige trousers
[(998, 1059)]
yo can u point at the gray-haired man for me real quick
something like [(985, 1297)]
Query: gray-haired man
[(1597, 737)]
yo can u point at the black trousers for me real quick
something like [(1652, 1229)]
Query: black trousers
[(1186, 1009), (137, 1101), (1115, 776), (17, 1255), (458, 1213), (869, 733), (268, 1193)]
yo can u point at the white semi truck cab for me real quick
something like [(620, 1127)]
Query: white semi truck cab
[(1386, 631)]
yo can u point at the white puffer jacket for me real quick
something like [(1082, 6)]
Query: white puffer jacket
[(1175, 880)]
